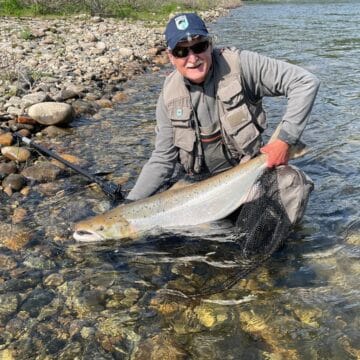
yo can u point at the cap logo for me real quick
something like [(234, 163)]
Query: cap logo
[(181, 22)]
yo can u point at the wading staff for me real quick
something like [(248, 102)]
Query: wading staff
[(110, 189)]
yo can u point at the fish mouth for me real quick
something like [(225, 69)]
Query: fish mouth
[(87, 236)]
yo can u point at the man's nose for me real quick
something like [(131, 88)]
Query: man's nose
[(192, 55)]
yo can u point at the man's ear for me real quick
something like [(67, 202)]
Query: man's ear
[(170, 56)]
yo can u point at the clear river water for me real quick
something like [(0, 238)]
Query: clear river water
[(62, 300)]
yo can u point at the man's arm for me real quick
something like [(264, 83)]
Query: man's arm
[(161, 164), (264, 76)]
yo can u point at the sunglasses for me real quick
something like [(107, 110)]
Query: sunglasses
[(182, 52)]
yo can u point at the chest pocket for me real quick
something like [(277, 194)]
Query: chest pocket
[(184, 134), (237, 119)]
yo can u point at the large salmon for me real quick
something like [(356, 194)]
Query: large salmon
[(198, 203)]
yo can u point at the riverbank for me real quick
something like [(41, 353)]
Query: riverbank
[(84, 62), (84, 57)]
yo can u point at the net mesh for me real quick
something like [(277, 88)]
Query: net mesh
[(263, 223), (261, 226)]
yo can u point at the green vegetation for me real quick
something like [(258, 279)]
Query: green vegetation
[(26, 34), (132, 9)]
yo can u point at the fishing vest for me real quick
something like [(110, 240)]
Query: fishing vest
[(241, 121)]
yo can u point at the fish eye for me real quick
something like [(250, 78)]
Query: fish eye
[(101, 228)]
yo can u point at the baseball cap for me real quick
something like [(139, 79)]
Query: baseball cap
[(182, 26)]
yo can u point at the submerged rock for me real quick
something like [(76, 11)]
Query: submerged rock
[(41, 172), (14, 237)]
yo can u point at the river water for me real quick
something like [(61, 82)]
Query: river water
[(63, 300)]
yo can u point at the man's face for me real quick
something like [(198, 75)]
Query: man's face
[(197, 63)]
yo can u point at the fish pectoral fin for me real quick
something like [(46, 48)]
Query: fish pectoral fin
[(86, 236)]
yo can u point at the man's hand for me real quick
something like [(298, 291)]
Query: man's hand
[(277, 153)]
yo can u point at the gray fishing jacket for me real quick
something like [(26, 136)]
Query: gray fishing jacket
[(230, 100)]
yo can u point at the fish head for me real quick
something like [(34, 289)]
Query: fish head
[(109, 225)]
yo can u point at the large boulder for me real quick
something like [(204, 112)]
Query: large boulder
[(51, 113)]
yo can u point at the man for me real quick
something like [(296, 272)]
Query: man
[(209, 113)]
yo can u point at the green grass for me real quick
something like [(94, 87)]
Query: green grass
[(131, 9)]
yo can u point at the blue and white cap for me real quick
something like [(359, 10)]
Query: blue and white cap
[(182, 27)]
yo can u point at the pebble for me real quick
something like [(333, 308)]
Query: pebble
[(7, 169), (6, 139), (14, 181), (55, 131), (41, 172), (16, 153)]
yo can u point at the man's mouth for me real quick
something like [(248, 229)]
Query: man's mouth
[(194, 66)]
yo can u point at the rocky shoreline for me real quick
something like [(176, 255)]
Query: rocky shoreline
[(53, 71)]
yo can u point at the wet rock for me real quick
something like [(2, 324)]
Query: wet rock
[(25, 191), (16, 153), (17, 284), (41, 172), (87, 332), (210, 316), (54, 131), (8, 305), (47, 189), (309, 316), (119, 97), (68, 157), (14, 237), (73, 350), (36, 300), (6, 139), (87, 303), (51, 113), (7, 354), (160, 347), (7, 169), (50, 310), (39, 262), (7, 262), (19, 215), (115, 325), (83, 107), (54, 280), (104, 103), (15, 325), (14, 181)]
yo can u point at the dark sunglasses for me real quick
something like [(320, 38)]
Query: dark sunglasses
[(182, 52)]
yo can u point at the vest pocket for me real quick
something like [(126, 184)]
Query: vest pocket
[(239, 126), (184, 138), (231, 95)]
